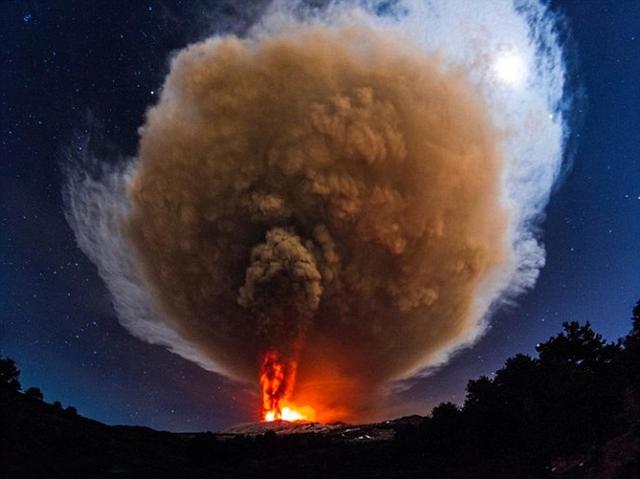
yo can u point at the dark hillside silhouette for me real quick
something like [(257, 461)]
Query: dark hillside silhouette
[(570, 412)]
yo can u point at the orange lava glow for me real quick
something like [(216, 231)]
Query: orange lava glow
[(276, 383)]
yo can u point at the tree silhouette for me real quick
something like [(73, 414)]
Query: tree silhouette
[(9, 374), (635, 320), (630, 368), (580, 391), (34, 393), (573, 396), (578, 345), (632, 348)]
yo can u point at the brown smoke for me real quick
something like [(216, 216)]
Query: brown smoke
[(332, 193)]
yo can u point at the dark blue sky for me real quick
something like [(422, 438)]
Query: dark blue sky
[(73, 70)]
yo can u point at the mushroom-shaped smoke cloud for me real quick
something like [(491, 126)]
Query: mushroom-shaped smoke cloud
[(331, 189)]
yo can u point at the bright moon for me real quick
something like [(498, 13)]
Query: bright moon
[(510, 69)]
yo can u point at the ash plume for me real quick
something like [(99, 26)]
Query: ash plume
[(327, 187)]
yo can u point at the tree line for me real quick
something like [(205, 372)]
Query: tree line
[(580, 394)]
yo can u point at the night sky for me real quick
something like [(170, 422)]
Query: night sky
[(78, 75)]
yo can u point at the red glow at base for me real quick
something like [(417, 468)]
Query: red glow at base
[(277, 379)]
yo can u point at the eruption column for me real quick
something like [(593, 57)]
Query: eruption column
[(330, 197), (330, 203), (276, 383)]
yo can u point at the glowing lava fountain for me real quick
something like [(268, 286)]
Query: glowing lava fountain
[(276, 383)]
